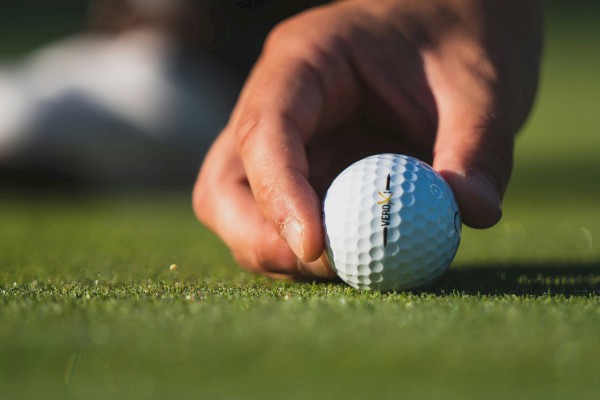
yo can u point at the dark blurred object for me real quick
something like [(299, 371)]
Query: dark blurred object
[(118, 15), (232, 30), (187, 20), (135, 101)]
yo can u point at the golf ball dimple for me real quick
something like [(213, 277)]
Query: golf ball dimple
[(391, 223)]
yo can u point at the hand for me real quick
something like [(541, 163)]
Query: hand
[(448, 81)]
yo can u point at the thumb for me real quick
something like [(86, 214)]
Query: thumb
[(475, 156)]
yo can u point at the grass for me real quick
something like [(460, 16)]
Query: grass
[(90, 310), (89, 307)]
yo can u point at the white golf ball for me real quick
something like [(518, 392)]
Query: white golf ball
[(391, 223)]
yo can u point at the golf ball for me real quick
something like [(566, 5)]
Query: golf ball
[(391, 223)]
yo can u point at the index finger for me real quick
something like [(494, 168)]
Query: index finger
[(281, 108)]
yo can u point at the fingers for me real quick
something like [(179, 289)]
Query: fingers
[(270, 143), (269, 214), (474, 150), (477, 166), (224, 203), (484, 83), (288, 100)]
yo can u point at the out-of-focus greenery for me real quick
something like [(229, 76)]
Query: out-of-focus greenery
[(558, 149), (27, 24), (89, 308)]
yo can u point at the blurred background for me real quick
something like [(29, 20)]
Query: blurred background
[(131, 92), (110, 93)]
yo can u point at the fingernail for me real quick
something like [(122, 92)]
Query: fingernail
[(292, 232), (486, 187)]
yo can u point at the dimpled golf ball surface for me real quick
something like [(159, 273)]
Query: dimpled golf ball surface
[(391, 223)]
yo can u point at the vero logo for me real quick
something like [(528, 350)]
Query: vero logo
[(386, 204)]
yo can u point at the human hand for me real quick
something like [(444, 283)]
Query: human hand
[(449, 82)]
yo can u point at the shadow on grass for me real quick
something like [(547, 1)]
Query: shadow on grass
[(535, 280)]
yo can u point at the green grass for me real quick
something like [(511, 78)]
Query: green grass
[(90, 310), (88, 304)]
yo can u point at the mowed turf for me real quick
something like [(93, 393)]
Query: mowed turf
[(89, 308)]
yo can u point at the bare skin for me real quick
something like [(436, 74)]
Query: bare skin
[(450, 82)]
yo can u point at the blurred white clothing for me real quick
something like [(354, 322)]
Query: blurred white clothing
[(122, 109)]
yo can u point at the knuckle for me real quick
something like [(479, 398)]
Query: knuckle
[(252, 256), (288, 33), (265, 192), (262, 257), (246, 130), (242, 260), (273, 256), (203, 193), (292, 38), (200, 200), (265, 253), (279, 34)]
